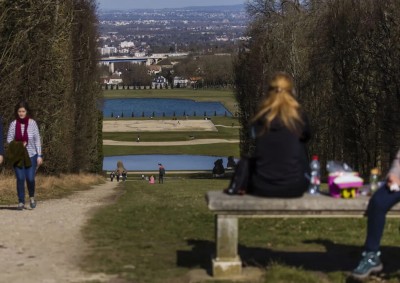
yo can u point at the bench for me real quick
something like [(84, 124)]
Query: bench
[(228, 209)]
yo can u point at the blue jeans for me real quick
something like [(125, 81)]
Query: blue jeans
[(28, 174), (380, 203)]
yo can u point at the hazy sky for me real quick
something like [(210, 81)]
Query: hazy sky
[(143, 4)]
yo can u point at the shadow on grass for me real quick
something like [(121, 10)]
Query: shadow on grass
[(336, 258), (199, 256), (6, 207)]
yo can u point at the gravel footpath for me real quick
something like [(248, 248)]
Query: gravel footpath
[(169, 143), (45, 244)]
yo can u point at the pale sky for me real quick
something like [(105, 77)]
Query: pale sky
[(151, 4)]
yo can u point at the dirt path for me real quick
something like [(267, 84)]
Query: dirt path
[(45, 244), (169, 143)]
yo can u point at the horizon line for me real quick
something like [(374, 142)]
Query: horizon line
[(185, 7)]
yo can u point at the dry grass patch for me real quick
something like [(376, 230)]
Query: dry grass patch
[(48, 187)]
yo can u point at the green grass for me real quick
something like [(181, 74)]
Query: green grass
[(223, 133), (224, 96), (218, 149), (158, 233), (221, 149)]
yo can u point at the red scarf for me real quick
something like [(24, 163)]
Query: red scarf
[(19, 136)]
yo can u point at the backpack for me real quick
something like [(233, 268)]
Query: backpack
[(240, 182), (162, 171)]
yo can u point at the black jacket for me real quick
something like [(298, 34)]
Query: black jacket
[(17, 155), (281, 160)]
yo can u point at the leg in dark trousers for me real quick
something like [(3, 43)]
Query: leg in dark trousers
[(380, 203)]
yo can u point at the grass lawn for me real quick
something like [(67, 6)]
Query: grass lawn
[(221, 149), (158, 233), (218, 149), (225, 96), (223, 133)]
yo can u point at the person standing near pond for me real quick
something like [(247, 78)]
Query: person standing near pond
[(112, 176), (379, 204), (24, 133), (161, 173), (280, 129)]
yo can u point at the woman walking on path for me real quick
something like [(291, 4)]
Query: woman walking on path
[(24, 139)]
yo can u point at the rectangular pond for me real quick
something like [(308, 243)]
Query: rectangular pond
[(160, 107), (150, 162)]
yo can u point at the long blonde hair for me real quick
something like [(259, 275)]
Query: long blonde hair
[(280, 102)]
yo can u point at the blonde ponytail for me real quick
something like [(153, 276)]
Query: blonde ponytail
[(281, 103)]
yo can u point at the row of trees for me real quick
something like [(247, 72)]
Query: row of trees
[(215, 70), (343, 55), (48, 58)]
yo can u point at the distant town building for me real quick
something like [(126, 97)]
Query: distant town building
[(195, 81), (139, 54), (124, 50), (106, 50), (180, 82), (154, 69), (159, 82), (127, 44), (115, 79)]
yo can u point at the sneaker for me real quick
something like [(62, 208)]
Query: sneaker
[(21, 206), (369, 263), (32, 203)]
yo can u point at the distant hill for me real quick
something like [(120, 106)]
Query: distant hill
[(213, 8), (238, 7)]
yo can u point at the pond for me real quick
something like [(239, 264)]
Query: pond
[(159, 107), (171, 162)]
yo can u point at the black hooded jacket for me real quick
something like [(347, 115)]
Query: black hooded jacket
[(281, 160)]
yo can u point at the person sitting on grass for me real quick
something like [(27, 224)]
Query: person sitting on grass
[(379, 204)]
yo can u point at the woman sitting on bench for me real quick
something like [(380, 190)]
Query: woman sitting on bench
[(280, 129)]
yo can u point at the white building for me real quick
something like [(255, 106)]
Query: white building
[(123, 51), (180, 82), (108, 50), (159, 82), (140, 54), (127, 44), (115, 79)]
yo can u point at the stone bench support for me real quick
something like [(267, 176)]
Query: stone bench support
[(227, 260), (228, 209)]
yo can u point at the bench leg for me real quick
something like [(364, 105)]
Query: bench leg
[(227, 262)]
